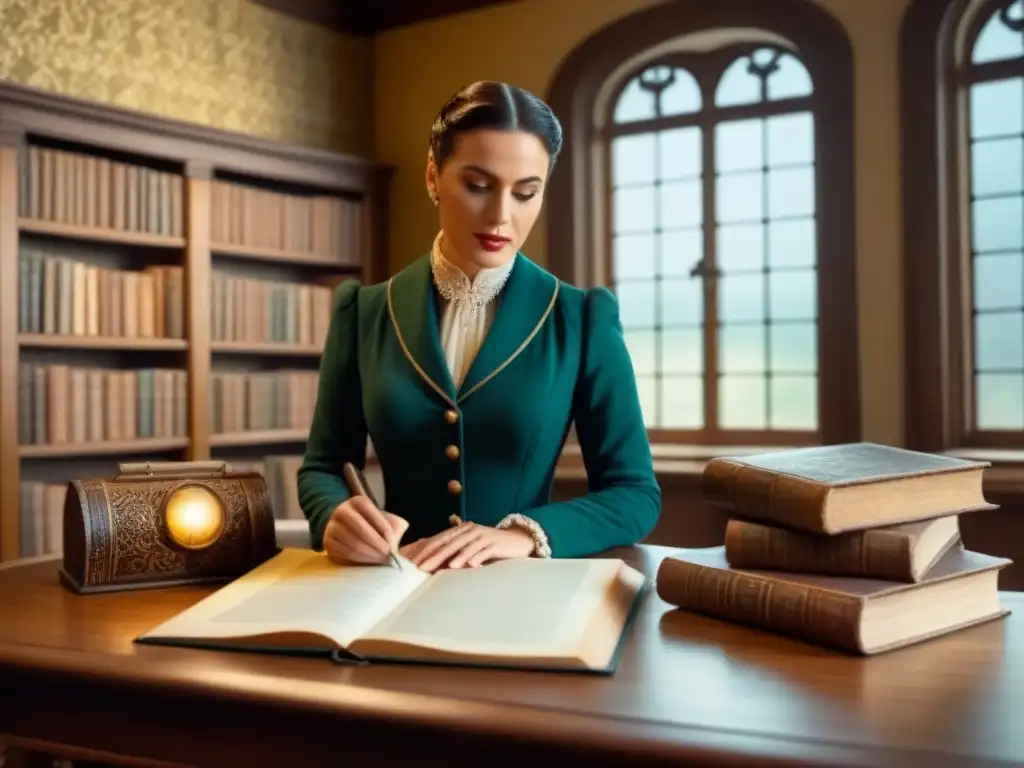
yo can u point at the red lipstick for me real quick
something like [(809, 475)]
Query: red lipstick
[(492, 243)]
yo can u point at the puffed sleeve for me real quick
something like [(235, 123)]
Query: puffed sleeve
[(338, 431), (624, 499)]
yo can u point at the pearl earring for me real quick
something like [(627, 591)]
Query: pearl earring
[(433, 196)]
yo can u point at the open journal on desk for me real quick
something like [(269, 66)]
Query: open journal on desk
[(546, 614)]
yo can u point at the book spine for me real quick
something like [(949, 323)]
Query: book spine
[(873, 554), (799, 611), (752, 492)]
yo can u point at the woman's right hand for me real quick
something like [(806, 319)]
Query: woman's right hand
[(358, 532)]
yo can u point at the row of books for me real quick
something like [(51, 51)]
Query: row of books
[(62, 295), (63, 404), (855, 547), (261, 218), (90, 191), (281, 475), (80, 189), (41, 517), (264, 400), (252, 310)]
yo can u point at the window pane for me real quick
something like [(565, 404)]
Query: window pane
[(997, 166), (999, 341), (997, 108), (680, 251), (681, 205), (765, 249), (633, 257), (682, 96), (793, 295), (636, 304), (738, 85), (996, 40), (682, 301), (792, 243), (997, 224), (791, 80), (741, 348), (740, 247), (999, 281), (739, 145), (642, 351), (740, 298), (793, 347), (1000, 400), (794, 402), (791, 139), (682, 350), (634, 210), (679, 153), (633, 159), (682, 402), (634, 103), (791, 192), (740, 197), (647, 390), (741, 402)]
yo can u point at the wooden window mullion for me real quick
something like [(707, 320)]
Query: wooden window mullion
[(710, 282)]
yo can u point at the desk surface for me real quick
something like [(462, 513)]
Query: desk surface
[(690, 690)]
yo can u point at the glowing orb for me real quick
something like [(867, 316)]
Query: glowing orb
[(194, 516)]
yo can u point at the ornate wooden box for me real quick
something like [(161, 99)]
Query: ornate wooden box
[(165, 524)]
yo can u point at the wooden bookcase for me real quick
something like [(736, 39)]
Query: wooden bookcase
[(165, 289)]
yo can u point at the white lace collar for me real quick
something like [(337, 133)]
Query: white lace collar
[(455, 286)]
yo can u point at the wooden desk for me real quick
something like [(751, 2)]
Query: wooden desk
[(691, 691)]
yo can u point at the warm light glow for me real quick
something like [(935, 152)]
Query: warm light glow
[(195, 517)]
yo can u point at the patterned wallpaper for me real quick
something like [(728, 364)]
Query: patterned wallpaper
[(226, 63)]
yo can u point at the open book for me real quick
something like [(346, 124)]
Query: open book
[(559, 614)]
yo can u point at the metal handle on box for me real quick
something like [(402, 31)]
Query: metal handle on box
[(157, 469)]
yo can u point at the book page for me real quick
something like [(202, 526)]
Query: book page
[(512, 607), (298, 591)]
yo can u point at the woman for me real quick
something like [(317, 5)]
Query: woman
[(467, 369)]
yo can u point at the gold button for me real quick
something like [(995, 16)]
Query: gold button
[(454, 487), (451, 417), (452, 452)]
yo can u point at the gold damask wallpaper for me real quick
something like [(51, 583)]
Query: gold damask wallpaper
[(230, 64)]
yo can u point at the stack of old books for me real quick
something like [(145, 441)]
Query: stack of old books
[(855, 546)]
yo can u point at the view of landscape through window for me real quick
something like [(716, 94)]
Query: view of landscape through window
[(717, 184), (995, 79)]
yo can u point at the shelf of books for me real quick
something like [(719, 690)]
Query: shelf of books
[(276, 254), (163, 308)]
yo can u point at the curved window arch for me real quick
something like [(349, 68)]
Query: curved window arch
[(963, 63), (709, 183)]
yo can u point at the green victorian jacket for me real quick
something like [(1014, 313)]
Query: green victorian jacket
[(553, 356)]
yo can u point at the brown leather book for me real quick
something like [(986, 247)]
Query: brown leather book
[(895, 553), (861, 616), (848, 487)]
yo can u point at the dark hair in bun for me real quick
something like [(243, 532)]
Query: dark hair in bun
[(497, 106)]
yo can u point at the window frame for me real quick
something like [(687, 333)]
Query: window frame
[(574, 224), (939, 393), (707, 68)]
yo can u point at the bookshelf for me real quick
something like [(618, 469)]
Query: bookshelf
[(165, 290)]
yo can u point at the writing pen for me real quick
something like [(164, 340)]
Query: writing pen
[(358, 486)]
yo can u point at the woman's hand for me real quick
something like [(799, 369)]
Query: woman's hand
[(469, 545), (358, 532)]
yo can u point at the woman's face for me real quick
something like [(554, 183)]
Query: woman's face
[(489, 193)]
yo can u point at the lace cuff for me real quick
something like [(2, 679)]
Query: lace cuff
[(541, 548)]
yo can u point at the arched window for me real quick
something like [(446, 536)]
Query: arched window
[(963, 67), (709, 185)]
